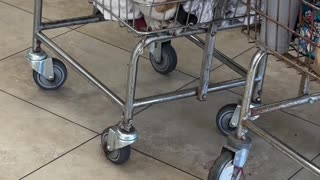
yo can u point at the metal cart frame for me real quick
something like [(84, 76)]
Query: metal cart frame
[(120, 136), (239, 143)]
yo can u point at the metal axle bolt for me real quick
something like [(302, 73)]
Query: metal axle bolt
[(233, 124), (258, 100)]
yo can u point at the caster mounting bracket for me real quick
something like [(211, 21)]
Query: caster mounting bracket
[(119, 138), (41, 62)]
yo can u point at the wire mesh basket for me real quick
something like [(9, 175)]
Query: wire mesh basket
[(145, 17), (290, 30)]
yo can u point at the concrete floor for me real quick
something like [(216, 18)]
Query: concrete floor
[(55, 135)]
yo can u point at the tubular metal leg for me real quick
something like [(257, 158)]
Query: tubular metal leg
[(260, 75), (37, 25), (207, 63), (37, 58), (220, 56), (305, 82), (304, 85), (245, 108), (131, 86)]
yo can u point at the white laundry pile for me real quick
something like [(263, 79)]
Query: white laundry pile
[(204, 10), (121, 8), (240, 10)]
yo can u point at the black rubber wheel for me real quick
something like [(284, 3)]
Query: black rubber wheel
[(60, 76), (119, 156), (222, 167), (224, 117), (168, 61)]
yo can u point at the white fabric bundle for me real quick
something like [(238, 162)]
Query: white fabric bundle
[(121, 8), (204, 10)]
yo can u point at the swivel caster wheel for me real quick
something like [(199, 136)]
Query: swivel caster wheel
[(118, 156), (224, 117), (168, 61), (223, 168), (60, 76)]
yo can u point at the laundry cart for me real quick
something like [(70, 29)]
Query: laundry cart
[(290, 31), (155, 23)]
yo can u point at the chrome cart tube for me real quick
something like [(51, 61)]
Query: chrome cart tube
[(206, 64), (79, 69), (197, 41), (131, 84), (305, 84), (283, 148), (259, 86), (285, 104), (249, 88), (188, 93), (132, 74), (37, 22), (72, 22), (220, 56)]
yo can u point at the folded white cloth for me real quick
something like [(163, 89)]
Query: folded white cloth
[(120, 8)]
